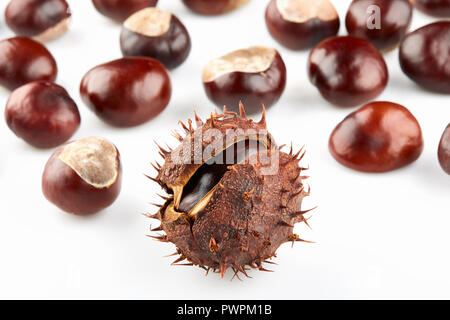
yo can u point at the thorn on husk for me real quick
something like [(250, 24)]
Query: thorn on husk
[(160, 228), (177, 136), (213, 246), (198, 121), (223, 269), (262, 122), (153, 179), (242, 113)]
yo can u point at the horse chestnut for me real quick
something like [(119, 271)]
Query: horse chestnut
[(158, 34), (42, 20), (233, 195), (301, 24), (437, 8), (348, 71), (42, 113), (378, 137), (382, 22), (214, 7), (83, 177), (24, 60), (120, 10), (255, 76), (425, 56), (128, 91), (444, 150)]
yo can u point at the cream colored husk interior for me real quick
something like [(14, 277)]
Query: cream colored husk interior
[(172, 212)]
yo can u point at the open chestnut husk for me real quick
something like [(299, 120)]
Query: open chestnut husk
[(128, 91), (233, 197), (436, 8), (348, 71), (158, 34), (42, 113), (444, 150), (120, 10), (255, 76), (301, 24), (24, 60), (42, 20), (381, 22), (83, 177), (378, 137), (425, 56), (214, 7)]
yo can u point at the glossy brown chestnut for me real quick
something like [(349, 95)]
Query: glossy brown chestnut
[(347, 71), (42, 113), (255, 76), (158, 34), (120, 10), (301, 24), (378, 137), (42, 20), (127, 92), (214, 7), (24, 60), (382, 22), (425, 56), (444, 150), (437, 8), (83, 177)]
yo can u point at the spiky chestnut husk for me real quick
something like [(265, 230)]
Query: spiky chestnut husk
[(247, 215)]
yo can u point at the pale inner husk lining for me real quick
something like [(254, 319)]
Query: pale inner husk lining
[(300, 11), (251, 60), (93, 159), (150, 22)]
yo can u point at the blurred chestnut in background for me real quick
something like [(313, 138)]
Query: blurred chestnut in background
[(348, 71), (378, 137), (255, 76), (24, 60), (444, 150), (42, 113), (120, 10), (127, 92), (158, 34), (42, 20), (425, 56), (214, 7), (301, 24), (83, 177), (381, 22), (437, 8)]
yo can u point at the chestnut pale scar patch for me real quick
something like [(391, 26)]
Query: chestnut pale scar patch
[(300, 11), (54, 32), (251, 60), (150, 22), (236, 4), (93, 159)]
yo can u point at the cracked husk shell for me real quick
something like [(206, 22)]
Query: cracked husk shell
[(246, 213)]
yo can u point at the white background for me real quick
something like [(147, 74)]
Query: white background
[(378, 235)]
